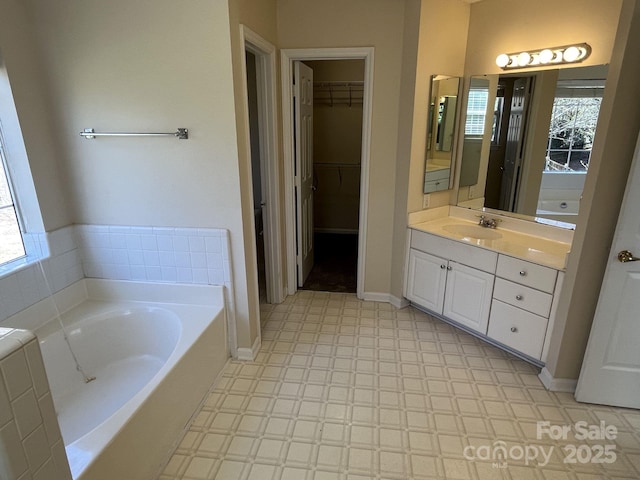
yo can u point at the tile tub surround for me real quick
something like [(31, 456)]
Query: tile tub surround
[(22, 287), (31, 446), (157, 254), (344, 389)]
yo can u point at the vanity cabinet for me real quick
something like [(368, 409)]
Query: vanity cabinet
[(521, 305), (446, 286), (506, 300)]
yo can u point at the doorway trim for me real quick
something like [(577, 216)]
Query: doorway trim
[(266, 69), (287, 57)]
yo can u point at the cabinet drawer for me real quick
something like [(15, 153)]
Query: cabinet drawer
[(516, 328), (440, 174), (523, 297), (436, 185), (475, 257), (526, 273)]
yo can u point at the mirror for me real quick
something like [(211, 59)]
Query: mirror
[(527, 141), (441, 132)]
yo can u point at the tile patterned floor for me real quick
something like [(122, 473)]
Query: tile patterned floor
[(352, 390)]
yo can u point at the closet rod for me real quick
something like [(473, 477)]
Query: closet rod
[(181, 134)]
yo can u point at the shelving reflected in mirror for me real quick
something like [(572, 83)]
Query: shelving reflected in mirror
[(441, 132), (528, 140)]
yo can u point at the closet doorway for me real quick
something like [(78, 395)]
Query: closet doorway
[(338, 87), (326, 161)]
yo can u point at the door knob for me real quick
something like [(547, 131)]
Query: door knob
[(626, 256)]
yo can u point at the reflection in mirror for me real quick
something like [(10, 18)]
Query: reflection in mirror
[(443, 106), (532, 154)]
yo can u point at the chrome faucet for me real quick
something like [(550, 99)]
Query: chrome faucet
[(488, 222)]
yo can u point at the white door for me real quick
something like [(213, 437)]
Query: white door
[(468, 296), (303, 118), (426, 278), (611, 368)]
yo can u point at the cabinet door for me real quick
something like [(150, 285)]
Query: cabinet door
[(426, 278), (468, 296)]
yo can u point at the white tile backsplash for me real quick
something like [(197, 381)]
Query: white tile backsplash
[(22, 283), (156, 254), (185, 255)]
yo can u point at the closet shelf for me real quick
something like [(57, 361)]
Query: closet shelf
[(338, 93)]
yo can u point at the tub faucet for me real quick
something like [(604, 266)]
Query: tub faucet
[(488, 222)]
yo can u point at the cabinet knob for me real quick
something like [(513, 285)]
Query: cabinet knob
[(519, 297), (449, 268), (443, 266), (514, 329), (523, 273)]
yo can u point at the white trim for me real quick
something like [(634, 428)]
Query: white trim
[(288, 56), (557, 384), (249, 354), (397, 302), (265, 54)]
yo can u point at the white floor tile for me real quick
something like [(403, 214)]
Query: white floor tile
[(349, 390)]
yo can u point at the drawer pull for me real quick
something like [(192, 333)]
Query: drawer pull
[(519, 297), (514, 329), (523, 273)]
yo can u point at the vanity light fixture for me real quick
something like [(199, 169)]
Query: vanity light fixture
[(548, 56)]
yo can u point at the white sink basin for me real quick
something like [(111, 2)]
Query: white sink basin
[(473, 231)]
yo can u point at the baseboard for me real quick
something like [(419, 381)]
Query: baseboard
[(397, 302), (249, 354), (557, 384)]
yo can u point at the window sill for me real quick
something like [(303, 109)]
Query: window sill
[(19, 264)]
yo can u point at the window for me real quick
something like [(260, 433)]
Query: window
[(11, 245), (476, 111), (573, 126)]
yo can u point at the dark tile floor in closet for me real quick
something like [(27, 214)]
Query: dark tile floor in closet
[(336, 263)]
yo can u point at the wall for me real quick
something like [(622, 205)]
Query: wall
[(147, 66), (505, 26), (427, 23), (438, 21), (377, 23), (36, 162)]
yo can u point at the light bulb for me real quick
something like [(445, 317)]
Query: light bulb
[(502, 60), (524, 59), (545, 56), (571, 54)]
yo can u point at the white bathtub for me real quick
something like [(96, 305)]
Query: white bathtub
[(155, 350)]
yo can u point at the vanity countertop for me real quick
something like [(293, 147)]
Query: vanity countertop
[(536, 249)]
